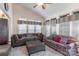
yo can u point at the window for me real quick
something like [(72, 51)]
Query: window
[(75, 29), (75, 26), (64, 28), (38, 28), (47, 28), (22, 28), (30, 28), (53, 26)]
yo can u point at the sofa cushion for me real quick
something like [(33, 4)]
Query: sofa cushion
[(56, 38), (64, 39), (31, 38), (51, 36), (24, 35), (19, 35)]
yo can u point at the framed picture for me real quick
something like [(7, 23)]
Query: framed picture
[(6, 7)]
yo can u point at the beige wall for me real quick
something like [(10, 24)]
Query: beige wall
[(20, 11)]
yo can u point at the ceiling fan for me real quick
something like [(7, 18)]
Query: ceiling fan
[(42, 5)]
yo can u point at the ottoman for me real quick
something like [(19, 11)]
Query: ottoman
[(34, 46)]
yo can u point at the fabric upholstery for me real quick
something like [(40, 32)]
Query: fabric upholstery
[(56, 38), (34, 46), (64, 39), (19, 36), (71, 40), (20, 39), (63, 46)]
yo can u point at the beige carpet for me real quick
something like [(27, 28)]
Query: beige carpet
[(22, 51)]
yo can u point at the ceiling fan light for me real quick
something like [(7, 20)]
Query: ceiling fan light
[(42, 5), (39, 4)]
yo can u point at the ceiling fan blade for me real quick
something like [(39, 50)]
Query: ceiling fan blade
[(44, 6), (35, 6)]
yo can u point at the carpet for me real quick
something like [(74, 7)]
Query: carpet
[(22, 51)]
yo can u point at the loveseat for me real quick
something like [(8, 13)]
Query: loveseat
[(20, 39), (60, 43)]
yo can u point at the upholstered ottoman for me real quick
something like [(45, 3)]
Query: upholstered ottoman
[(34, 46)]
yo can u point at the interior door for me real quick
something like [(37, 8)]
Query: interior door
[(3, 30)]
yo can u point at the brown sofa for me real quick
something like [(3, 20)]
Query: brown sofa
[(60, 43), (20, 39)]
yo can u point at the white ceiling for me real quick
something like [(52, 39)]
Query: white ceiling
[(52, 9)]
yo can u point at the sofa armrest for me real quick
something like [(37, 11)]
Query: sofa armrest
[(13, 40), (44, 38)]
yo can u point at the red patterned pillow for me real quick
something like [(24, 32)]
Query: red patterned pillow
[(57, 38)]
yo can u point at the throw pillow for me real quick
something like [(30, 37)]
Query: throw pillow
[(17, 37), (57, 38), (64, 39)]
